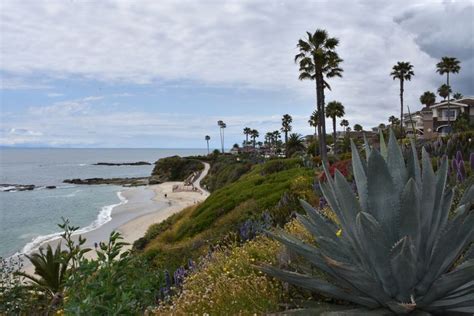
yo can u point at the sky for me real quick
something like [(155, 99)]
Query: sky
[(160, 74)]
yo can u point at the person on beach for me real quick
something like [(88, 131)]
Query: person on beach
[(95, 245), (166, 195)]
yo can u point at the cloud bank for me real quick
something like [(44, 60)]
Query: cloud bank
[(229, 44)]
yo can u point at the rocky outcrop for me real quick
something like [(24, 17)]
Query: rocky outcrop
[(138, 163), (16, 187), (114, 181)]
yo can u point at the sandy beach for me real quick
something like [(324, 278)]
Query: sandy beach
[(144, 206)]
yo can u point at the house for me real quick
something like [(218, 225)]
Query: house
[(431, 122), (413, 124)]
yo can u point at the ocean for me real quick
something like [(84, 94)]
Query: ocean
[(29, 217)]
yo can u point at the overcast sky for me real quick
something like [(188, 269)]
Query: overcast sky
[(160, 74)]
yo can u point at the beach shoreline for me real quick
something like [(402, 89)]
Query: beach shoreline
[(144, 206)]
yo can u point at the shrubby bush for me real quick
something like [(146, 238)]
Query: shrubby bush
[(227, 281), (174, 168)]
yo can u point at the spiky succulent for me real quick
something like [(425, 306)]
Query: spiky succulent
[(400, 251)]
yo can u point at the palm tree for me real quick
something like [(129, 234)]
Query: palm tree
[(428, 98), (268, 139), (446, 66), (314, 122), (295, 143), (254, 135), (247, 131), (358, 128), (222, 126), (318, 60), (334, 109), (50, 269), (207, 138), (382, 126), (286, 126), (402, 71), (458, 96), (444, 91), (393, 120), (344, 123)]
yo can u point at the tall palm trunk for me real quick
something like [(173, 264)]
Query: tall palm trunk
[(315, 136), (320, 102), (286, 143), (222, 140), (449, 104), (401, 108), (334, 133), (207, 147)]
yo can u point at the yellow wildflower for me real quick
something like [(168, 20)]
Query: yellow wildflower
[(339, 232)]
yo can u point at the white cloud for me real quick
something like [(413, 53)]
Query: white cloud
[(23, 132), (54, 95), (238, 44)]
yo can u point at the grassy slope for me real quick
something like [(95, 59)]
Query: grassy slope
[(189, 233)]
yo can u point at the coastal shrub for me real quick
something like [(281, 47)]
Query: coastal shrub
[(16, 296), (174, 168), (225, 170), (278, 165), (395, 248), (227, 282), (342, 166), (115, 283)]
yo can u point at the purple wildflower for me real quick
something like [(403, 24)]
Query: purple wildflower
[(454, 166), (322, 202), (167, 279), (462, 169), (459, 156), (460, 176)]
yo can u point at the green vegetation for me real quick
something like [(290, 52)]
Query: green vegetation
[(229, 283), (394, 248), (114, 282), (174, 168), (191, 232), (225, 170)]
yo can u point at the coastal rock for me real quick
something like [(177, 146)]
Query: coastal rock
[(138, 163), (50, 187), (16, 187), (116, 181)]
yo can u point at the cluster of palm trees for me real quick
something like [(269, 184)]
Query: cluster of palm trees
[(403, 71), (318, 61), (253, 134)]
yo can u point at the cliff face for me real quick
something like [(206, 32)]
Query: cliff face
[(174, 168)]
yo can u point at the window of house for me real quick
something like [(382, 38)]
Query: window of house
[(450, 113)]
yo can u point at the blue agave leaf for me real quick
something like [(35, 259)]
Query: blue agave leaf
[(360, 174), (410, 213), (383, 204)]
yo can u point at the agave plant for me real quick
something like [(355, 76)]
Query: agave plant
[(394, 248)]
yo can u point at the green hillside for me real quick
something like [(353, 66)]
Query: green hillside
[(191, 232)]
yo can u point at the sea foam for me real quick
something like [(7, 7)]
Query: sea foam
[(104, 216)]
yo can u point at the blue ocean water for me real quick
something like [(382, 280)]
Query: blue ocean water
[(28, 216)]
